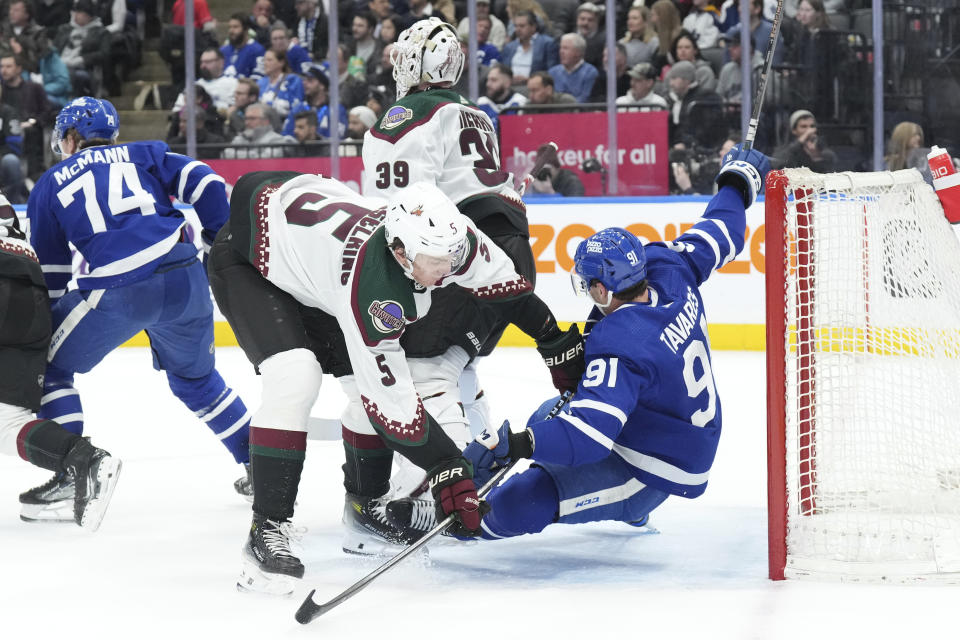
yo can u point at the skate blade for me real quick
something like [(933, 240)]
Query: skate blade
[(367, 545), (52, 512), (254, 580), (108, 472)]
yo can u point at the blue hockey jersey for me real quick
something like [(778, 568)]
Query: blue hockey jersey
[(648, 394), (244, 61), (113, 204)]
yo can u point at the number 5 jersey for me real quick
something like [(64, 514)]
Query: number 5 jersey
[(325, 245)]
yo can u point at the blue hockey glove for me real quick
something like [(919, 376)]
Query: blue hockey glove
[(744, 170), (492, 450)]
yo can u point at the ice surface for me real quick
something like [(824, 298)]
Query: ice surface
[(165, 561)]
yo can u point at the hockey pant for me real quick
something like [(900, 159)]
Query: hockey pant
[(173, 306), (548, 493)]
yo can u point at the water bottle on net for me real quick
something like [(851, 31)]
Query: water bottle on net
[(946, 182)]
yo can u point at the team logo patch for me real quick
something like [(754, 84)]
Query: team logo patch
[(395, 117), (387, 315)]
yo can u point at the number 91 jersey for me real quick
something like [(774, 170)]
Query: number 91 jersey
[(648, 394), (439, 137)]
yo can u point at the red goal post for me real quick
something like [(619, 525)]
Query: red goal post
[(863, 378)]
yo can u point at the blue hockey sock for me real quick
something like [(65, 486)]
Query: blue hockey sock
[(526, 503), (218, 405), (61, 402)]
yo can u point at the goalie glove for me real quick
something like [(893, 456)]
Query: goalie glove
[(744, 170), (492, 450), (453, 492), (563, 355)]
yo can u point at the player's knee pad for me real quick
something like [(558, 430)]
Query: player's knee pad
[(291, 381), (12, 419), (474, 402), (437, 382), (446, 409)]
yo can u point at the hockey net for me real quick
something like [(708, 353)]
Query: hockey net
[(863, 364)]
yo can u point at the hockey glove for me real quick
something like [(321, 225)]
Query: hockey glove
[(492, 450), (563, 355), (454, 493), (744, 170)]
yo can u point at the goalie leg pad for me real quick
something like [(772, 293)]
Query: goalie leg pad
[(604, 490)]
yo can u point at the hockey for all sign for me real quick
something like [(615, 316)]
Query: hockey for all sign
[(641, 154)]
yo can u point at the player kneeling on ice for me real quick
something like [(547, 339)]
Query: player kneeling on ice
[(645, 420), (314, 277)]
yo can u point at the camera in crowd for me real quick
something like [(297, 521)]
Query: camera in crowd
[(701, 165)]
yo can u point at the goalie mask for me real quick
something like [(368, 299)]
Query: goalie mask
[(427, 223), (614, 257), (429, 51)]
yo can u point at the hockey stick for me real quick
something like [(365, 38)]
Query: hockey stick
[(765, 74), (538, 164), (310, 609)]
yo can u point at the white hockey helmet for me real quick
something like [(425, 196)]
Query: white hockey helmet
[(428, 51), (426, 221)]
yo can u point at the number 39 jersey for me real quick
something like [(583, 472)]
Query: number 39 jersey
[(439, 137), (325, 245), (113, 204), (648, 394)]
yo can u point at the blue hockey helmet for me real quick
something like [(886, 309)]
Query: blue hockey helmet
[(90, 117), (613, 256)]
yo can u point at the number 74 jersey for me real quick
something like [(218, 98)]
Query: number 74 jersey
[(648, 394), (112, 203)]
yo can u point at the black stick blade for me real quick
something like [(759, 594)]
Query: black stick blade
[(309, 610)]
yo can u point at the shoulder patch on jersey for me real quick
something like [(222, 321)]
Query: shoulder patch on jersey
[(413, 110), (395, 116), (381, 296), (387, 315)]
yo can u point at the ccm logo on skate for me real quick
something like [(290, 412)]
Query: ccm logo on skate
[(446, 474), (566, 356)]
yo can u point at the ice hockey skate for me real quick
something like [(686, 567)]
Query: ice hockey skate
[(244, 485), (50, 502), (269, 565), (95, 473), (80, 493), (370, 529)]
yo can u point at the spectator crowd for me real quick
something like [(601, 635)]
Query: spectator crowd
[(263, 87)]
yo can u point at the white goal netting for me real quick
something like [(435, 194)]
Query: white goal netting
[(872, 304)]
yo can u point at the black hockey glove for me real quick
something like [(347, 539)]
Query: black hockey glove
[(453, 492), (563, 355)]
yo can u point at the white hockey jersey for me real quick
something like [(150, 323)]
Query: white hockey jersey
[(440, 137), (323, 243)]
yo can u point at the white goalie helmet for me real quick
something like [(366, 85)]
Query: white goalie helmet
[(426, 221), (428, 51)]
